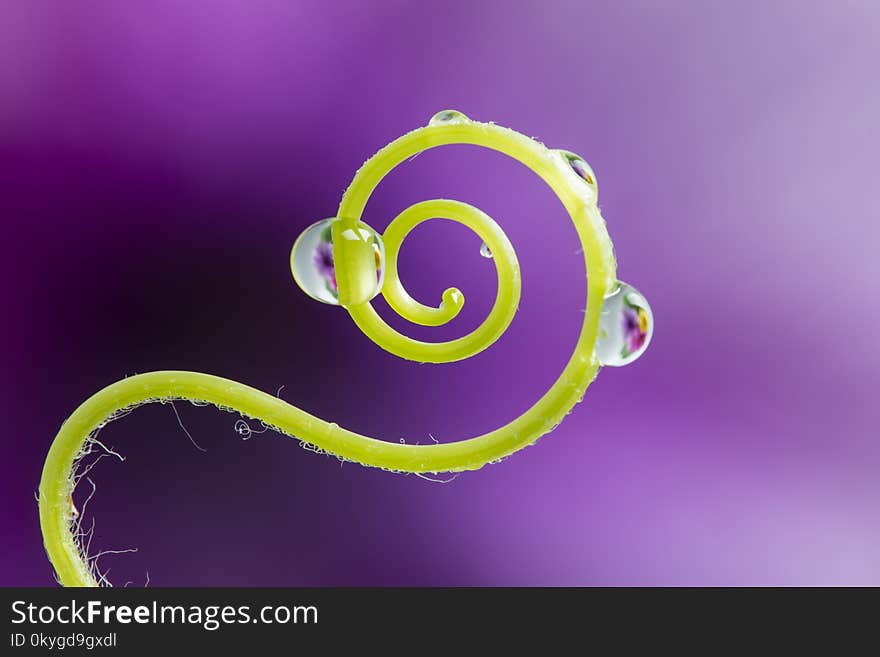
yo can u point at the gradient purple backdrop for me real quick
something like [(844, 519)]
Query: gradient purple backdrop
[(157, 161)]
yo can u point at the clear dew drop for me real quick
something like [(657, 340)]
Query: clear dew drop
[(580, 167), (313, 266), (626, 325), (485, 251), (448, 116)]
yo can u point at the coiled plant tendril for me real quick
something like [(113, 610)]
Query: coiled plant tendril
[(616, 329)]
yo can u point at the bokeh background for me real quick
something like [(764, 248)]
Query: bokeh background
[(157, 161)]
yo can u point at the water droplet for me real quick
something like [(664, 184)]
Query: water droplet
[(485, 251), (626, 325), (579, 165), (313, 265), (448, 116)]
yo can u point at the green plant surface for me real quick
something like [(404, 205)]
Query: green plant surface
[(59, 475)]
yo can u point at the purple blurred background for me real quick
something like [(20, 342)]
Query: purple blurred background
[(157, 162)]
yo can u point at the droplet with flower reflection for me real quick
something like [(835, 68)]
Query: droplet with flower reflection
[(313, 265), (626, 325)]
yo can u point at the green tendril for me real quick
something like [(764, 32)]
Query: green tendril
[(59, 477)]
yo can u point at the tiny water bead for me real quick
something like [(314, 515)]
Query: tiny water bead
[(626, 325), (485, 251), (447, 116), (579, 165), (312, 260)]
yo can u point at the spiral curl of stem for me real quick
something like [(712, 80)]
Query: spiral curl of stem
[(59, 477)]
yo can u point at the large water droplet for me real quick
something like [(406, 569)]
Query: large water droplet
[(313, 264), (448, 116), (579, 165), (485, 251), (626, 325)]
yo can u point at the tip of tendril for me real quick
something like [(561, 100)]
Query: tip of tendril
[(453, 300)]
